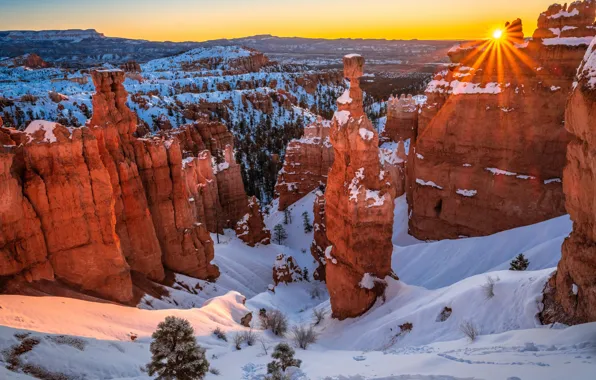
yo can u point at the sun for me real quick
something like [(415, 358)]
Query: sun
[(497, 34)]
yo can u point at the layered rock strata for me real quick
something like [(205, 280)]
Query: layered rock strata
[(86, 206), (491, 142), (251, 228), (571, 294), (358, 206), (306, 164)]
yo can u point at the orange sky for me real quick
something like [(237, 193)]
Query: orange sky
[(198, 20)]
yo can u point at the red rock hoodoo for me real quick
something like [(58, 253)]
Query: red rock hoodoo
[(491, 142), (358, 206), (320, 241), (86, 206), (306, 164), (251, 229), (286, 271), (571, 294), (402, 119)]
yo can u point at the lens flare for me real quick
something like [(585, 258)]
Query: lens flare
[(497, 34)]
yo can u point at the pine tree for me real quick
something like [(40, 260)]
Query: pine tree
[(279, 234), (306, 222), (175, 354), (285, 358), (520, 263)]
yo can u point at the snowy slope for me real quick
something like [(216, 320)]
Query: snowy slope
[(511, 345), (442, 263)]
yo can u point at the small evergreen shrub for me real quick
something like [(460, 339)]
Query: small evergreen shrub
[(520, 263), (175, 353), (284, 358)]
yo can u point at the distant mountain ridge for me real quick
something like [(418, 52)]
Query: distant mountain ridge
[(83, 48)]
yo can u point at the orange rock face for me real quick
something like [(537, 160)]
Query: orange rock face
[(402, 119), (491, 142), (306, 164), (89, 205), (358, 207), (571, 294), (320, 242), (251, 229)]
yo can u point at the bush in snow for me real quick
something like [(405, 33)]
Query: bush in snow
[(238, 340), (469, 329), (319, 315), (284, 355), (279, 234), (304, 336), (249, 337), (214, 371), (274, 320), (520, 263), (175, 353), (315, 291), (489, 287), (306, 222), (220, 334), (287, 216)]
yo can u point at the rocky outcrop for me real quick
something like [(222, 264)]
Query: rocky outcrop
[(358, 206), (564, 21), (306, 164), (286, 271), (571, 294), (30, 61), (320, 241), (251, 229), (87, 206), (491, 142), (131, 67), (402, 119)]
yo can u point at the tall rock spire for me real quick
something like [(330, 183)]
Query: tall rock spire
[(359, 206)]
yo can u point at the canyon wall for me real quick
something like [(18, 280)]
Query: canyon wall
[(86, 206), (306, 164), (571, 294), (491, 142), (358, 206)]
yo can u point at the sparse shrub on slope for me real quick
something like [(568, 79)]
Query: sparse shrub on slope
[(175, 353), (304, 336), (284, 355), (470, 330), (274, 320)]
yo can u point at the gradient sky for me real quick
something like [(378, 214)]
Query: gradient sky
[(197, 20)]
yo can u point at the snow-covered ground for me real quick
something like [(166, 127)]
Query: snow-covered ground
[(443, 287)]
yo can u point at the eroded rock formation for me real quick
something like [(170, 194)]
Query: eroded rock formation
[(306, 164), (286, 271), (402, 119), (87, 206), (571, 294), (491, 141), (320, 241), (358, 208), (251, 228)]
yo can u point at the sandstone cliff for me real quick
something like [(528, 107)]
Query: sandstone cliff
[(491, 142), (402, 119), (86, 206), (571, 294), (359, 206), (306, 164)]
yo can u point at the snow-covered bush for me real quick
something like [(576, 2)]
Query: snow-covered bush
[(220, 334), (303, 336), (489, 287), (175, 353), (469, 329), (249, 337), (520, 263), (319, 315), (274, 320), (238, 340), (284, 355)]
